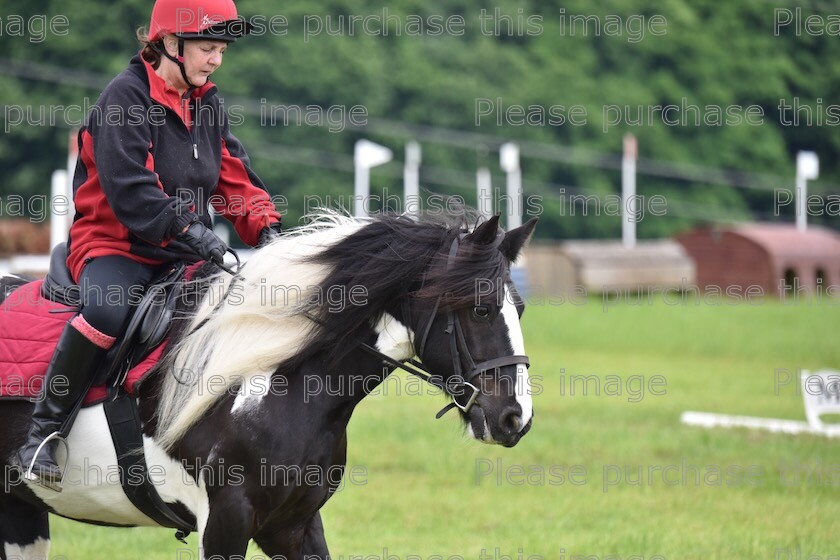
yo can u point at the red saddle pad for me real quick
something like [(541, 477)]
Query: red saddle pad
[(30, 326)]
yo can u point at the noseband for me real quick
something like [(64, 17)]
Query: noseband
[(458, 350)]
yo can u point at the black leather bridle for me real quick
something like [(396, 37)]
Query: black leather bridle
[(458, 350)]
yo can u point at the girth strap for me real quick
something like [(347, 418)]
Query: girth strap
[(124, 423)]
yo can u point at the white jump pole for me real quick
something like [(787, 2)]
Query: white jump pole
[(713, 420), (509, 162), (366, 156), (411, 178), (807, 168), (628, 192)]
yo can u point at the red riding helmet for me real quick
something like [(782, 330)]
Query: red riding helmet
[(194, 19)]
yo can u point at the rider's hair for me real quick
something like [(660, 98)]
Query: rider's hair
[(148, 53)]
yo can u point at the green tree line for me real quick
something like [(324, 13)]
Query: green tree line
[(749, 84)]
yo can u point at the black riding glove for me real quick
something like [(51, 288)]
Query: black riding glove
[(204, 242), (270, 232)]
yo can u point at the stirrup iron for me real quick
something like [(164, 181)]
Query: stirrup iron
[(30, 475)]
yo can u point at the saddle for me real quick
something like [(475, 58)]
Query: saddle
[(149, 322)]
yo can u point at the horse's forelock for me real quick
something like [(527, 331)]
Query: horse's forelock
[(457, 280)]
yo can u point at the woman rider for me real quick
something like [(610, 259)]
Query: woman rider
[(155, 151)]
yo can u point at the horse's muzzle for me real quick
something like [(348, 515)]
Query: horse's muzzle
[(505, 433)]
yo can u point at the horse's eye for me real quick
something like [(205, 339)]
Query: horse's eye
[(481, 311)]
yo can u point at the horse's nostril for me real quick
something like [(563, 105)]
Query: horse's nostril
[(511, 419)]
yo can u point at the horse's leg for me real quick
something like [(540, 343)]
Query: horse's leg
[(24, 530), (229, 527), (314, 542), (308, 542)]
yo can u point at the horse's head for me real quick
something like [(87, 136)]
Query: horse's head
[(465, 318)]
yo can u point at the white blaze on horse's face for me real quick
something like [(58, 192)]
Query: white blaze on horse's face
[(517, 342), (510, 331)]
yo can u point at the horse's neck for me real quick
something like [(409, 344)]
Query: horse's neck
[(362, 372), (314, 393)]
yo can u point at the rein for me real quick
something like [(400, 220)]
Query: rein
[(236, 276)]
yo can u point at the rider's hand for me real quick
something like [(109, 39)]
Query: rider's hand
[(270, 232), (203, 242)]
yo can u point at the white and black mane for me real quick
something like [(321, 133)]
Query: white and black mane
[(309, 293)]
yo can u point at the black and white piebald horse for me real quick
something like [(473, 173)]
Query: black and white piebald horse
[(230, 399)]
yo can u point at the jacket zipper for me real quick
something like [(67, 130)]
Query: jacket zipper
[(191, 130), (193, 135)]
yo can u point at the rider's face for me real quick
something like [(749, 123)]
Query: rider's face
[(202, 58)]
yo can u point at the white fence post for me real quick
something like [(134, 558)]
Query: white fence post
[(628, 192), (807, 167), (411, 178), (62, 209), (366, 156), (484, 185), (509, 162)]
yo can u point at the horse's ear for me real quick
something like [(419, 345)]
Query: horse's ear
[(515, 239), (485, 233)]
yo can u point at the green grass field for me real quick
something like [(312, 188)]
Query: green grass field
[(423, 489)]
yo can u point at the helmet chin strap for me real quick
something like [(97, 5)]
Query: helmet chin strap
[(179, 60)]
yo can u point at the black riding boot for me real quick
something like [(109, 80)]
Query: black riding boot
[(72, 366)]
